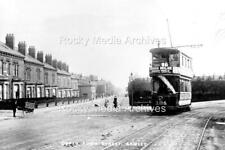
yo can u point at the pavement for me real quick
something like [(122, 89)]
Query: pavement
[(8, 114)]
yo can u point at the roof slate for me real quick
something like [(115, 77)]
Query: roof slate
[(6, 49), (30, 59), (49, 66)]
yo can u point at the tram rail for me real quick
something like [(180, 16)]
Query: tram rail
[(203, 133), (142, 131)]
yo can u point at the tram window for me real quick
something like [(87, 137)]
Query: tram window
[(159, 60), (155, 57), (188, 84), (182, 86), (174, 60), (185, 86)]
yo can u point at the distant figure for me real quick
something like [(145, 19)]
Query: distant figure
[(106, 103), (14, 105), (115, 102)]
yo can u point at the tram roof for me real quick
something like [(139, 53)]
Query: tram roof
[(164, 50)]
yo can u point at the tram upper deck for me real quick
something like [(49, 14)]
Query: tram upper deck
[(170, 61)]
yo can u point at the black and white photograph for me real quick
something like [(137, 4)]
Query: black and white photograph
[(112, 75)]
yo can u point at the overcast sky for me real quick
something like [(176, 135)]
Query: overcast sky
[(112, 38)]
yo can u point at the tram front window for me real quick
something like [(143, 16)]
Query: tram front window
[(160, 60), (165, 60)]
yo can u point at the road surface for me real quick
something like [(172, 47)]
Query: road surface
[(90, 126)]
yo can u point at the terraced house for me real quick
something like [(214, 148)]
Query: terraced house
[(74, 83), (11, 70), (50, 76), (33, 75), (64, 80), (29, 75)]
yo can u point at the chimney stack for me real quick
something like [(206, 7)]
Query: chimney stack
[(40, 56), (67, 68), (31, 51), (48, 59), (22, 48), (64, 66), (59, 65), (54, 63), (10, 40)]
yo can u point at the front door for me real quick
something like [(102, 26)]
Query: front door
[(16, 91)]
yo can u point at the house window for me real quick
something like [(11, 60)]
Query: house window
[(7, 68), (38, 74), (28, 74), (15, 69), (53, 78), (1, 67), (46, 78)]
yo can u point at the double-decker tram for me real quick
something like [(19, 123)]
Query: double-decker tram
[(171, 73)]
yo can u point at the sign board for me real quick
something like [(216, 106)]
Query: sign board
[(161, 70), (176, 70)]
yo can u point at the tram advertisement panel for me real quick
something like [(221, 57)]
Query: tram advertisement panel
[(185, 98)]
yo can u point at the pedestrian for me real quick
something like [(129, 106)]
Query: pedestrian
[(115, 102), (106, 103), (14, 105)]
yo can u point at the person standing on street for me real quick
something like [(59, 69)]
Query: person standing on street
[(15, 103), (115, 102), (106, 103)]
